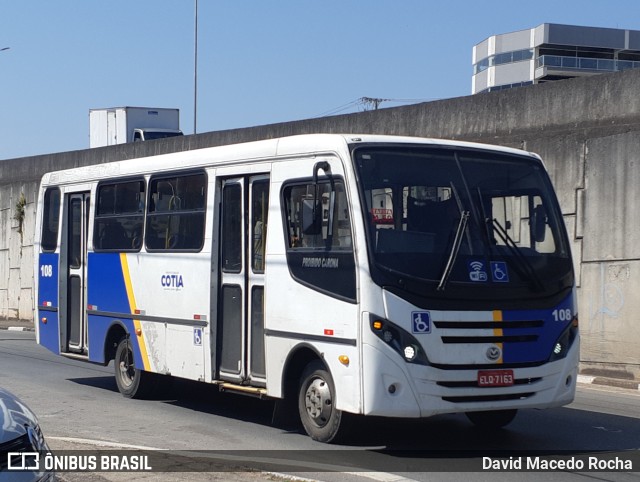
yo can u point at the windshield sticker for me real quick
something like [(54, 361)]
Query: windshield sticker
[(421, 322), (499, 272), (477, 271)]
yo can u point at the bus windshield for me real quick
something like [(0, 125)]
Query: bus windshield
[(452, 219)]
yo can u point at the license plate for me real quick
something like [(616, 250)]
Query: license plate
[(495, 378)]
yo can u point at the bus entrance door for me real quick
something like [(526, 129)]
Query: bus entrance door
[(240, 328), (73, 300)]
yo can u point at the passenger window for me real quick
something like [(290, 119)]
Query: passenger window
[(332, 212), (176, 212), (232, 228), (119, 216), (259, 211), (50, 220), (320, 253)]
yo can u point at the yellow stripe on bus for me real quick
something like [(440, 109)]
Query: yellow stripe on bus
[(497, 316), (132, 307)]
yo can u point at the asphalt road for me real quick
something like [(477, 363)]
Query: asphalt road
[(80, 409)]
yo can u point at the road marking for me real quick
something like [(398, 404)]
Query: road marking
[(377, 476), (103, 443), (381, 476)]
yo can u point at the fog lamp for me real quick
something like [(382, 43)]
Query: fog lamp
[(409, 352)]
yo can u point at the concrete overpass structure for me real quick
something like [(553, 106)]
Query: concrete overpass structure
[(586, 129)]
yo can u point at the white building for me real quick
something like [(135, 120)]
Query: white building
[(551, 52)]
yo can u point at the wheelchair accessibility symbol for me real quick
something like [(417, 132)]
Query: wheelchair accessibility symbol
[(499, 273), (197, 337), (421, 322)]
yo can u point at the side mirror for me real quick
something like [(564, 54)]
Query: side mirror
[(539, 223), (311, 219)]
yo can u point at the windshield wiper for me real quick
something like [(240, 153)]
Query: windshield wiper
[(457, 241), (523, 265), (487, 232)]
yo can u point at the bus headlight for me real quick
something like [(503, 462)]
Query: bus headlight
[(564, 342), (410, 352), (401, 341)]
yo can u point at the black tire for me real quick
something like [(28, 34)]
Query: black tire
[(132, 382), (492, 420), (316, 404)]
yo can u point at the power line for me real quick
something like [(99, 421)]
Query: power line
[(375, 102), (339, 109), (412, 101), (369, 103)]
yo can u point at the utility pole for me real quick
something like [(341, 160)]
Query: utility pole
[(195, 72), (373, 102)]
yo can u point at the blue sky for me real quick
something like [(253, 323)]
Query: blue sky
[(260, 61)]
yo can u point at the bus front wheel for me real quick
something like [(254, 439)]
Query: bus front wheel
[(132, 382), (316, 403), (492, 420)]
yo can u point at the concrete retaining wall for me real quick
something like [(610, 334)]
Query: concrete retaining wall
[(585, 129)]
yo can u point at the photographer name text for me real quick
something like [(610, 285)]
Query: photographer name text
[(570, 463)]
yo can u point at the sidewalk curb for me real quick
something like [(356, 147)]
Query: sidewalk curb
[(610, 382), (17, 328)]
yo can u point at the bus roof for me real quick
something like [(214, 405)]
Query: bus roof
[(257, 151)]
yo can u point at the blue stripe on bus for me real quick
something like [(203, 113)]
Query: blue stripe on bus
[(548, 333), (48, 279), (99, 327), (106, 286), (48, 294), (106, 290), (49, 331)]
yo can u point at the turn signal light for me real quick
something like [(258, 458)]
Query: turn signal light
[(138, 331), (44, 321), (344, 359), (377, 325)]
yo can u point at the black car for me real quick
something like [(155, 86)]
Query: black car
[(20, 440)]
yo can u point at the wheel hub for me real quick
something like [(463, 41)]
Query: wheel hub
[(318, 401), (126, 370)]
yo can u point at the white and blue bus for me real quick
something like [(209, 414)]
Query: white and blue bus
[(372, 275)]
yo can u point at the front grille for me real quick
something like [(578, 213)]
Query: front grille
[(489, 398), (493, 325), (474, 383), (485, 366), (524, 331), (20, 444), (489, 339)]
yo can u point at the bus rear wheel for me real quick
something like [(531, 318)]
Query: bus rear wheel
[(492, 420), (132, 382), (316, 403)]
